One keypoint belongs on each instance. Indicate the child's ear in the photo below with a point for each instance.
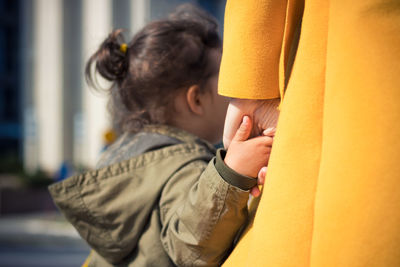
(194, 99)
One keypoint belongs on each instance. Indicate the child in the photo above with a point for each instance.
(160, 196)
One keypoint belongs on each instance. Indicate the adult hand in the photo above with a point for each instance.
(263, 113)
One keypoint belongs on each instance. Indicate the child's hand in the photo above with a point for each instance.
(247, 157)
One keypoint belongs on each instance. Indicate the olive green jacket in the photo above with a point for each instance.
(166, 205)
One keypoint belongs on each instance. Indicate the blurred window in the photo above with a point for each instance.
(10, 121)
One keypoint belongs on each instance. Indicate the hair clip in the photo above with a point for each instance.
(123, 47)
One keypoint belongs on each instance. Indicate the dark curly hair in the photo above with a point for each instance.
(166, 56)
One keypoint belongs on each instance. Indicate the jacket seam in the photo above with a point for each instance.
(96, 220)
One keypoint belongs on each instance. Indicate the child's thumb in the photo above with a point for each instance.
(244, 130)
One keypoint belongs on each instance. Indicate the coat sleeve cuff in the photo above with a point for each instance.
(230, 176)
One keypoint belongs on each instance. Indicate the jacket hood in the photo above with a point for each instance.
(110, 206)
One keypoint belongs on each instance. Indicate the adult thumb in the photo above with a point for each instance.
(244, 130)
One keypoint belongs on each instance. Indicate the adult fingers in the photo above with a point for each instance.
(261, 175)
(269, 132)
(255, 191)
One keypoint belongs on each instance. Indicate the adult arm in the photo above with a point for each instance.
(250, 65)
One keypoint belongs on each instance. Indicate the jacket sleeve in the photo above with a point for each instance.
(252, 48)
(199, 227)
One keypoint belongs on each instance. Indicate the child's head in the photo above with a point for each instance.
(159, 66)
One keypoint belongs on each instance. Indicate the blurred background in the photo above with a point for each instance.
(51, 124)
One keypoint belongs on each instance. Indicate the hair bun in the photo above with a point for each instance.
(111, 59)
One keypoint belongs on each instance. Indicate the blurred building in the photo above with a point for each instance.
(48, 115)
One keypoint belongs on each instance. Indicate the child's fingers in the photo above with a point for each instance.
(244, 130)
(262, 140)
(267, 141)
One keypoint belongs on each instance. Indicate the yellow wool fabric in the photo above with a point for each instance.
(246, 45)
(332, 192)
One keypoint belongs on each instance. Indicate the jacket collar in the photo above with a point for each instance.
(178, 134)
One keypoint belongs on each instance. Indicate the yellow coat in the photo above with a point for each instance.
(332, 192)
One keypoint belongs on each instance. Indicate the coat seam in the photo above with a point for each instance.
(322, 144)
